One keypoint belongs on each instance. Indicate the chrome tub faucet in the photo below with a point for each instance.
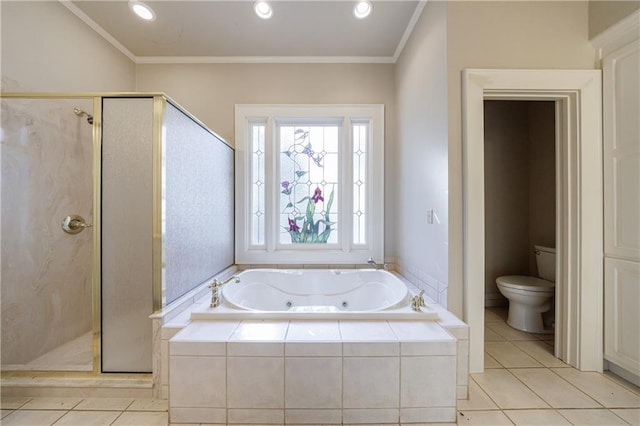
(377, 265)
(216, 298)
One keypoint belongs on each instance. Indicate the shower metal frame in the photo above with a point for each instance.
(158, 253)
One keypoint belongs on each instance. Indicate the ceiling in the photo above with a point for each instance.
(230, 31)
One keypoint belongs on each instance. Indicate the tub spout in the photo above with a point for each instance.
(377, 265)
(216, 297)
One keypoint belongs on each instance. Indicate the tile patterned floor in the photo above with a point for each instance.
(523, 384)
(83, 411)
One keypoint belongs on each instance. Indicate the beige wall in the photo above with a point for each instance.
(46, 48)
(210, 92)
(477, 34)
(542, 178)
(519, 188)
(532, 35)
(421, 90)
(506, 193)
(603, 14)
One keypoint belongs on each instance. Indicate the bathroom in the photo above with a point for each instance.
(520, 201)
(420, 89)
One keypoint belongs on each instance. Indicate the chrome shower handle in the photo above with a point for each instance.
(74, 224)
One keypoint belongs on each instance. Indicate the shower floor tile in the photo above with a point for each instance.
(76, 355)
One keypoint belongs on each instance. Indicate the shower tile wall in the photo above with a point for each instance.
(519, 188)
(46, 158)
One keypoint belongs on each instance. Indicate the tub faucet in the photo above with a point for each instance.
(417, 302)
(377, 265)
(216, 298)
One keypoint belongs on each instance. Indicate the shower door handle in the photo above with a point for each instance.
(74, 224)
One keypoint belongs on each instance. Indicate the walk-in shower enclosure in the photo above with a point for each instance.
(154, 190)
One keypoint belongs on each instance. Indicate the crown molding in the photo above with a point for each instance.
(249, 59)
(407, 33)
(97, 28)
(264, 60)
(618, 35)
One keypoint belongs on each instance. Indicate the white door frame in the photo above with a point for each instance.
(579, 219)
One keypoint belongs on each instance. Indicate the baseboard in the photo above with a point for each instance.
(621, 372)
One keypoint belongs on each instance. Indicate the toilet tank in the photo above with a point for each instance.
(546, 261)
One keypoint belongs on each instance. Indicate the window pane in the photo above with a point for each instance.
(257, 184)
(308, 179)
(360, 137)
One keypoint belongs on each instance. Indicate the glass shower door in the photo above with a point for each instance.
(46, 157)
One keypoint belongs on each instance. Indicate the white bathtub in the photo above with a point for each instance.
(365, 294)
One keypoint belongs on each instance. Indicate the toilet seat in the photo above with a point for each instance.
(523, 282)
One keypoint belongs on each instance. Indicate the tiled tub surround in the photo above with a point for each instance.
(169, 322)
(321, 372)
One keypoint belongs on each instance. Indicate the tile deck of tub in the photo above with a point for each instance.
(320, 372)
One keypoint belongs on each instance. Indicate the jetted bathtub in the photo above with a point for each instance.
(366, 294)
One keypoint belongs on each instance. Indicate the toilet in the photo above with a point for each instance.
(530, 297)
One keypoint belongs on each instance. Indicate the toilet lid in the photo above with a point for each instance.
(523, 282)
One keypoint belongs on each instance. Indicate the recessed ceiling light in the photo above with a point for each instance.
(263, 9)
(142, 10)
(362, 9)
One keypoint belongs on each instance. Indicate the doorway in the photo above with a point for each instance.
(577, 98)
(520, 224)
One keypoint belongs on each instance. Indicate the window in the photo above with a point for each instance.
(310, 183)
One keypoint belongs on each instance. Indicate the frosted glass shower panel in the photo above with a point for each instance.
(127, 217)
(198, 204)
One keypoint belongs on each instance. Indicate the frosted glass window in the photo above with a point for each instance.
(258, 184)
(199, 240)
(360, 132)
(308, 178)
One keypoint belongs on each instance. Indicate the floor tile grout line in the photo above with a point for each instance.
(485, 392)
(20, 405)
(586, 409)
(60, 418)
(612, 381)
(518, 379)
(540, 364)
(532, 391)
(578, 388)
(629, 386)
(492, 357)
(633, 391)
(616, 414)
(130, 404)
(552, 369)
(574, 386)
(120, 415)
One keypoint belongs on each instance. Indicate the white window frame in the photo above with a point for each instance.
(344, 252)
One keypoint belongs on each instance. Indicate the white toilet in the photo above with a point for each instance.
(530, 297)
